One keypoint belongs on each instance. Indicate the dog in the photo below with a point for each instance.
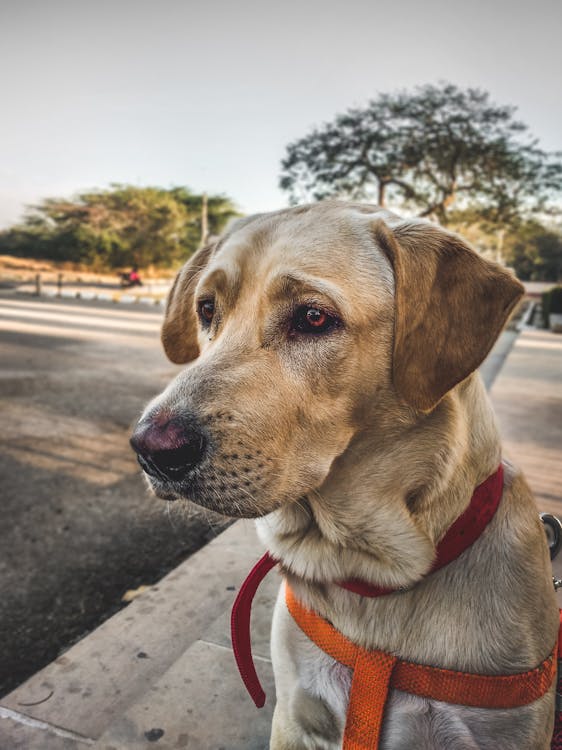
(332, 393)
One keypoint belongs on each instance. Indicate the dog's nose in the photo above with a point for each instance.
(168, 450)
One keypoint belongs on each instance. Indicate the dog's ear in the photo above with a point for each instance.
(179, 330)
(451, 304)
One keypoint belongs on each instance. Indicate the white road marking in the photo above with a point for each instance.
(87, 320)
(6, 713)
(81, 309)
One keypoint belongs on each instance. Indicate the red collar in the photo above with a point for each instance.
(461, 535)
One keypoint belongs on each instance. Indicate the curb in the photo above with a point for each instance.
(526, 317)
(116, 297)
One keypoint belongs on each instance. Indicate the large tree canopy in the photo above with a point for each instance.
(119, 227)
(432, 150)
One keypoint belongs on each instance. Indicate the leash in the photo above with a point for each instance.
(240, 628)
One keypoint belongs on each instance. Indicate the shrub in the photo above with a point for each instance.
(551, 303)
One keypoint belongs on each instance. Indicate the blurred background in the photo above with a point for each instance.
(131, 132)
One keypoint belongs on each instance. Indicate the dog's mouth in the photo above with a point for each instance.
(231, 490)
(223, 469)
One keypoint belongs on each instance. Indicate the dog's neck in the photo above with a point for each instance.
(391, 496)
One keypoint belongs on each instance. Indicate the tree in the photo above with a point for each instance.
(432, 150)
(119, 227)
(219, 210)
(535, 252)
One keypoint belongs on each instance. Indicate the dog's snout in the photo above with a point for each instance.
(168, 451)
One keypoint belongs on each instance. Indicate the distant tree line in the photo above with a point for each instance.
(439, 151)
(118, 227)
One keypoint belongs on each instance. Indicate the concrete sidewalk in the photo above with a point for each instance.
(161, 674)
(527, 398)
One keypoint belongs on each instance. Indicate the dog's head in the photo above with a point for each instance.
(300, 327)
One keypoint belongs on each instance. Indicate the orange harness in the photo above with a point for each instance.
(376, 672)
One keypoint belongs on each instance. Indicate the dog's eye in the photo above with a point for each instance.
(206, 309)
(308, 319)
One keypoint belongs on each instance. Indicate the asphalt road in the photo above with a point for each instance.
(78, 528)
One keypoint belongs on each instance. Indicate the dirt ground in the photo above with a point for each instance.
(78, 528)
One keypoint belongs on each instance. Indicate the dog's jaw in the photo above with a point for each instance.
(365, 527)
(397, 557)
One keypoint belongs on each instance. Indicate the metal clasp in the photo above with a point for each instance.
(553, 531)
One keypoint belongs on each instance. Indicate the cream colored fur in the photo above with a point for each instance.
(357, 449)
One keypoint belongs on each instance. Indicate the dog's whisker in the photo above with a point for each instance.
(169, 515)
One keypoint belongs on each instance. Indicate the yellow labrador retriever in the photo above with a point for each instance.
(332, 393)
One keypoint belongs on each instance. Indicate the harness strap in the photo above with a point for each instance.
(376, 672)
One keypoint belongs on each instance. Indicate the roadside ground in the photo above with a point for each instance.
(63, 281)
(79, 528)
(527, 399)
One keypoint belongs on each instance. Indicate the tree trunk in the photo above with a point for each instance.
(449, 199)
(204, 220)
(381, 196)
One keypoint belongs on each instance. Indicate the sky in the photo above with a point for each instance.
(209, 94)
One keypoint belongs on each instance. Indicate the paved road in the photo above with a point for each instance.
(78, 527)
